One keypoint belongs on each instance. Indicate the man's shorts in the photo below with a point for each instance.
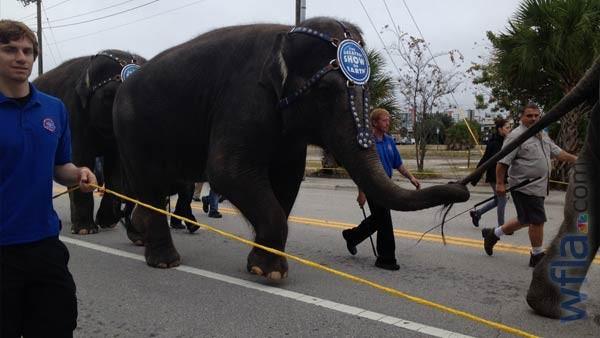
(530, 209)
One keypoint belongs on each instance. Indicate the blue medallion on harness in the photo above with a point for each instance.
(128, 70)
(353, 61)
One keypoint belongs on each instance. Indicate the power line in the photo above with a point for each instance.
(104, 17)
(93, 11)
(52, 34)
(32, 15)
(380, 39)
(129, 23)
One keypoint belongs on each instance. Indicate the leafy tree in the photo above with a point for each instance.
(423, 84)
(546, 49)
(458, 136)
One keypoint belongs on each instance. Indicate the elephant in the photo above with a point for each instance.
(241, 104)
(557, 278)
(87, 85)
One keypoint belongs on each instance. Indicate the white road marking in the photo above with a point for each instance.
(343, 308)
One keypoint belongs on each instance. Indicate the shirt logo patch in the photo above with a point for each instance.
(49, 125)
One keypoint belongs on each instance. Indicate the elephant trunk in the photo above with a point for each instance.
(585, 88)
(366, 170)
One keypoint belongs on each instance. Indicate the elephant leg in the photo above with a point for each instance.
(252, 194)
(554, 289)
(159, 249)
(286, 175)
(82, 204)
(109, 212)
(135, 234)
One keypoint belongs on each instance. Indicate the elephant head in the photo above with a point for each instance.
(323, 98)
(98, 83)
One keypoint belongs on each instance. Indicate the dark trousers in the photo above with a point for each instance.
(37, 290)
(380, 220)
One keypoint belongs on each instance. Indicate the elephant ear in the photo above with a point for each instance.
(274, 71)
(83, 88)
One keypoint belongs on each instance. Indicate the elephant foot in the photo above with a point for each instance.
(162, 257)
(265, 264)
(107, 220)
(543, 296)
(134, 235)
(84, 229)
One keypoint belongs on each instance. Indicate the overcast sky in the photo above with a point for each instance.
(159, 24)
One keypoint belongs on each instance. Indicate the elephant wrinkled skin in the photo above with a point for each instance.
(210, 105)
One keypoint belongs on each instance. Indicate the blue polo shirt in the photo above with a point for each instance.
(33, 139)
(388, 154)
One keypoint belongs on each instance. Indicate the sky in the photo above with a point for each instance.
(148, 27)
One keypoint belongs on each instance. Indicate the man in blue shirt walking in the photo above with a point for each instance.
(380, 219)
(37, 289)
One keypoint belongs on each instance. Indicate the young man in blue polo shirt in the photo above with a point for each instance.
(37, 289)
(380, 219)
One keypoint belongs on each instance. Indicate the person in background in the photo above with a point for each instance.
(493, 146)
(530, 161)
(380, 219)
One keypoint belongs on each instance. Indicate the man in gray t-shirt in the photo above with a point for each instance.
(531, 160)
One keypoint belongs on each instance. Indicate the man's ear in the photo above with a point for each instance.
(83, 88)
(274, 71)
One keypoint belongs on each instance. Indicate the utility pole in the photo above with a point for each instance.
(300, 11)
(39, 32)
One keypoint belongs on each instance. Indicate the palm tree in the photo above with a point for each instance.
(381, 95)
(547, 48)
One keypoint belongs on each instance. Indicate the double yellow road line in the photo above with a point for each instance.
(458, 241)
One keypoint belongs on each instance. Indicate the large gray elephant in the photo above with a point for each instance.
(241, 104)
(87, 85)
(554, 290)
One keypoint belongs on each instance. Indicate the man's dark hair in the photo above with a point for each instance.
(14, 30)
(500, 122)
(531, 105)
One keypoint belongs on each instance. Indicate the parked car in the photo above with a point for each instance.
(407, 140)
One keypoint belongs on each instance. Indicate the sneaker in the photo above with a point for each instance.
(534, 259)
(196, 198)
(214, 214)
(474, 218)
(176, 224)
(489, 240)
(205, 203)
(387, 264)
(351, 248)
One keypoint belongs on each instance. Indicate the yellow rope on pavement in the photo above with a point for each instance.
(418, 300)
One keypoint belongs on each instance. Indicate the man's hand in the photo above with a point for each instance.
(361, 199)
(85, 178)
(415, 182)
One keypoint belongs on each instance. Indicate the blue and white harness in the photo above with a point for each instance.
(353, 62)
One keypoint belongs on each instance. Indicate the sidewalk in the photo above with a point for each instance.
(482, 190)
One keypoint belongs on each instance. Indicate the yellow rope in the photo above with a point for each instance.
(392, 291)
(66, 191)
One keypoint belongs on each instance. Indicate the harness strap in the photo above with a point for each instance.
(314, 33)
(286, 101)
(115, 78)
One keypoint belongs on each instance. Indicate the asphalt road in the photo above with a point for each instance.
(211, 294)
